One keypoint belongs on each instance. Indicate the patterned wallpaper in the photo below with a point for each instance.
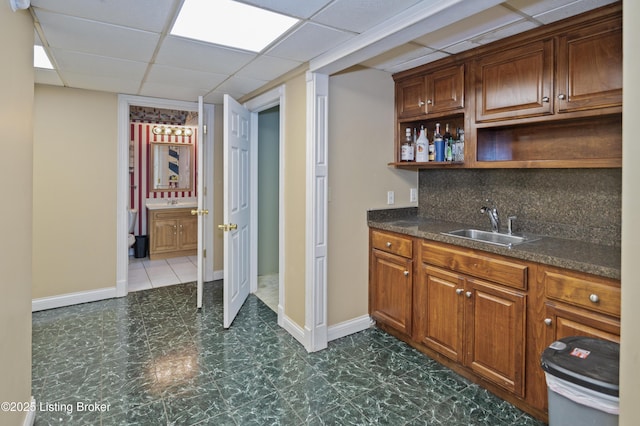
(140, 137)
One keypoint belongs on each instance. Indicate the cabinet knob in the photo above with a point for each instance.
(547, 321)
(545, 99)
(468, 294)
(388, 244)
(459, 291)
(406, 273)
(562, 96)
(594, 298)
(429, 102)
(420, 103)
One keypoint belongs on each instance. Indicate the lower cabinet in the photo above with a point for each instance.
(476, 323)
(391, 281)
(172, 232)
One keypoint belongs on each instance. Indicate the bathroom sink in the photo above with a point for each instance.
(497, 238)
(170, 203)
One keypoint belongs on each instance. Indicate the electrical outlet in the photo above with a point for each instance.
(391, 197)
(413, 195)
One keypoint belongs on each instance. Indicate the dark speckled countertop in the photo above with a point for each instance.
(570, 254)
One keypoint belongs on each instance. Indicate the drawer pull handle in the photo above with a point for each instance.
(547, 321)
(406, 273)
(468, 294)
(594, 298)
(388, 244)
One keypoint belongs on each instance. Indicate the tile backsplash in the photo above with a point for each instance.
(577, 204)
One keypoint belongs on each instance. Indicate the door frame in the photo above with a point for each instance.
(122, 190)
(274, 97)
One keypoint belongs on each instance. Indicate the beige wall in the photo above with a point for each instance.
(361, 123)
(630, 339)
(295, 197)
(74, 190)
(16, 104)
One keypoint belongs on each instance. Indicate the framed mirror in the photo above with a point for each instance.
(170, 167)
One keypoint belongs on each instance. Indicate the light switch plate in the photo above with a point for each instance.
(391, 197)
(413, 195)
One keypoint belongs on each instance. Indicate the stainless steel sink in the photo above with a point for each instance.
(497, 238)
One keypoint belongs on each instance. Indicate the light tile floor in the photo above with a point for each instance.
(153, 359)
(268, 290)
(145, 274)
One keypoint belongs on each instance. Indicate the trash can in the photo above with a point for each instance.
(582, 381)
(140, 249)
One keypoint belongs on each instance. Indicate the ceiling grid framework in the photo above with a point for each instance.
(126, 47)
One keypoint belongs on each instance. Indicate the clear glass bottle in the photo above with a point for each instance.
(406, 150)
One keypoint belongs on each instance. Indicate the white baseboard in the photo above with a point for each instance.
(346, 328)
(292, 328)
(30, 418)
(69, 299)
(218, 275)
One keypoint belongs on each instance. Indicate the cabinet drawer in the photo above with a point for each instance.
(596, 296)
(392, 243)
(170, 214)
(489, 267)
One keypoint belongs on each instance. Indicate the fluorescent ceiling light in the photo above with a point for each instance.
(229, 23)
(40, 58)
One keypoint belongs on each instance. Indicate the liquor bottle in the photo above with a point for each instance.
(448, 142)
(406, 150)
(422, 147)
(438, 146)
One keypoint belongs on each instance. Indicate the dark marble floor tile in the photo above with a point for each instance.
(192, 408)
(271, 409)
(245, 386)
(383, 405)
(312, 397)
(136, 415)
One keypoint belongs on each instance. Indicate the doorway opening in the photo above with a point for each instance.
(133, 169)
(268, 206)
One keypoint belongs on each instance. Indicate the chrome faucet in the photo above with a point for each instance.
(492, 212)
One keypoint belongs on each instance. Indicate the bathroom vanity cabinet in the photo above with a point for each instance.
(173, 232)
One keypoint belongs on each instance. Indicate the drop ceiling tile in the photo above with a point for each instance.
(308, 41)
(461, 47)
(201, 56)
(44, 76)
(536, 7)
(300, 9)
(86, 36)
(570, 10)
(470, 27)
(360, 15)
(216, 98)
(418, 61)
(168, 91)
(148, 15)
(240, 85)
(397, 56)
(101, 83)
(267, 68)
(83, 63)
(203, 81)
(500, 33)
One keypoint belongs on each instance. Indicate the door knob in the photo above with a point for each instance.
(199, 212)
(228, 227)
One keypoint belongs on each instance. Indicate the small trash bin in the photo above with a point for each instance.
(582, 381)
(140, 249)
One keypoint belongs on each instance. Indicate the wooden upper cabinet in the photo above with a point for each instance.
(515, 83)
(411, 97)
(445, 90)
(435, 92)
(590, 67)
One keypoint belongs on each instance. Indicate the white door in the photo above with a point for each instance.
(201, 211)
(236, 207)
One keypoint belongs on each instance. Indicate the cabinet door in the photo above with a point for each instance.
(164, 235)
(439, 311)
(515, 83)
(411, 97)
(564, 321)
(445, 90)
(495, 327)
(391, 290)
(590, 68)
(188, 233)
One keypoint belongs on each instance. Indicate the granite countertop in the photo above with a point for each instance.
(570, 254)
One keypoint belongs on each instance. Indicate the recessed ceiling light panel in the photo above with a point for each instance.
(40, 58)
(229, 23)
